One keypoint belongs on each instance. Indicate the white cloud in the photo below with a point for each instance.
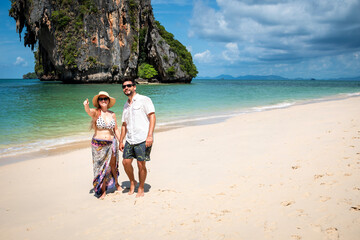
(286, 30)
(231, 53)
(20, 61)
(204, 57)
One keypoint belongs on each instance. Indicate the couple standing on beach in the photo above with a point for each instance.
(138, 123)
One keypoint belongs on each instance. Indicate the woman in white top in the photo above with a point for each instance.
(104, 143)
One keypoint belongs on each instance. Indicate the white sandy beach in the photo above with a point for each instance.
(290, 173)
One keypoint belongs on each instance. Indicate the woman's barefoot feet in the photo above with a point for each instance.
(102, 196)
(118, 187)
(132, 187)
(140, 192)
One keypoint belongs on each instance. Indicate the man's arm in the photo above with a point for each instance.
(150, 138)
(122, 136)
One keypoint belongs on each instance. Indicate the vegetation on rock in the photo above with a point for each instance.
(171, 71)
(133, 12)
(30, 75)
(185, 60)
(39, 69)
(142, 52)
(146, 71)
(68, 20)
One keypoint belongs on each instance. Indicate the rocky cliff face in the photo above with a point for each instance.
(99, 40)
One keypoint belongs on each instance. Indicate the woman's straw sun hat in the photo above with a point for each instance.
(95, 99)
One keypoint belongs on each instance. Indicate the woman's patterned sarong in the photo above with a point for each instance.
(102, 150)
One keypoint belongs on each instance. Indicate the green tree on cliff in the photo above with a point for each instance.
(146, 71)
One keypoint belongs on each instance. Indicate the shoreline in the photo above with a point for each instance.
(289, 173)
(206, 120)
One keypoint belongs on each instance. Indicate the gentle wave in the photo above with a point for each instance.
(228, 115)
(40, 145)
(353, 94)
(275, 106)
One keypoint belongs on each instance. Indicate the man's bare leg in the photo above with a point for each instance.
(142, 177)
(127, 163)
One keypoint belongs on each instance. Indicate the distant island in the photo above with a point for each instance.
(30, 75)
(271, 77)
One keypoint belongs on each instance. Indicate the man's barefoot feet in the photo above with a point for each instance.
(132, 187)
(140, 192)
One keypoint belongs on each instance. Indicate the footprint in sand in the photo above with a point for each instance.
(295, 167)
(356, 208)
(287, 203)
(347, 174)
(166, 190)
(296, 237)
(329, 183)
(332, 233)
(318, 176)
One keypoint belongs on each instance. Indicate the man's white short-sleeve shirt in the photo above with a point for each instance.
(135, 115)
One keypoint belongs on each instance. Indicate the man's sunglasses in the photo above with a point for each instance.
(103, 99)
(127, 85)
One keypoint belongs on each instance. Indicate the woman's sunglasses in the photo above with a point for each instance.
(127, 85)
(103, 99)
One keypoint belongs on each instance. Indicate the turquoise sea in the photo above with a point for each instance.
(40, 115)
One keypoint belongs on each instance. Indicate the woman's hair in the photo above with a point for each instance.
(93, 120)
(97, 115)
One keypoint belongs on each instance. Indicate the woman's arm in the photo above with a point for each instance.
(91, 112)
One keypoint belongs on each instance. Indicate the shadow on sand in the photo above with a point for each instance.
(126, 188)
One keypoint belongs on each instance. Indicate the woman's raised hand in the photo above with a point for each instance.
(86, 102)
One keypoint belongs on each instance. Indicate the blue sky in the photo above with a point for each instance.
(291, 38)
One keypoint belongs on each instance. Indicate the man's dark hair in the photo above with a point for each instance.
(129, 80)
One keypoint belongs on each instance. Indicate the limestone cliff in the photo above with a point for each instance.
(99, 40)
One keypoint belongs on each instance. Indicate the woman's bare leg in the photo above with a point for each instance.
(114, 172)
(103, 189)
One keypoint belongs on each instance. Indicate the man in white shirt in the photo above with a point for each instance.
(138, 123)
